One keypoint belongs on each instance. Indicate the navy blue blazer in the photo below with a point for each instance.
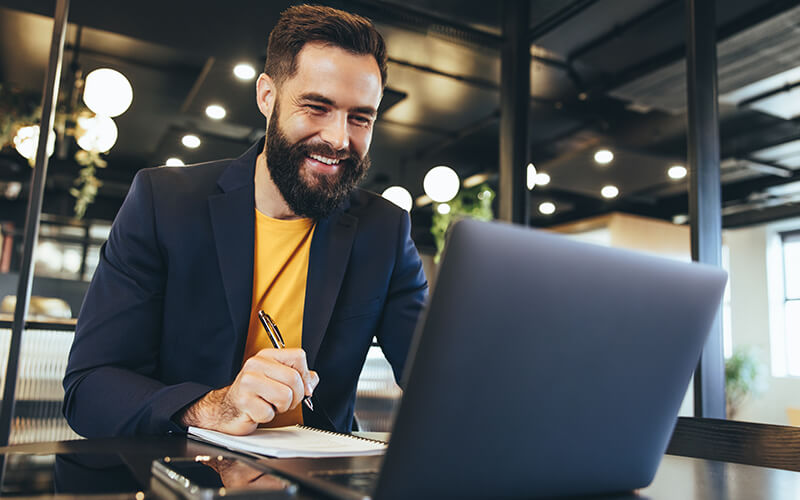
(165, 318)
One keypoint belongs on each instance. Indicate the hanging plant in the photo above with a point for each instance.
(474, 202)
(86, 183)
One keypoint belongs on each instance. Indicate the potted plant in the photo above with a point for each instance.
(742, 379)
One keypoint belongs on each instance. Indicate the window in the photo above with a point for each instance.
(790, 243)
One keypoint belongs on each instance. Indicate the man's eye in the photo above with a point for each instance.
(316, 109)
(361, 120)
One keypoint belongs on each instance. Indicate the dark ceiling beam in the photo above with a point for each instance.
(456, 136)
(760, 216)
(422, 22)
(584, 206)
(186, 69)
(482, 83)
(674, 54)
(562, 16)
(413, 126)
(619, 30)
(744, 147)
(759, 97)
(769, 168)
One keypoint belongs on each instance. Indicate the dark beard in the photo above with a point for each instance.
(284, 161)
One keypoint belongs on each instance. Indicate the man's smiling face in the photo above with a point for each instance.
(320, 128)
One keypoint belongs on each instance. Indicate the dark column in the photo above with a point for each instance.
(33, 215)
(704, 188)
(515, 76)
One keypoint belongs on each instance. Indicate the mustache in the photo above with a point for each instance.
(324, 149)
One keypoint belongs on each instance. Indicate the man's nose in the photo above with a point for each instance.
(335, 132)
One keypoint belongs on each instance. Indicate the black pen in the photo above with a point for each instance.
(277, 342)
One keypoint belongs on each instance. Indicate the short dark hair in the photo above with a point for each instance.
(301, 24)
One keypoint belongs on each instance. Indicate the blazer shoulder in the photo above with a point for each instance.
(191, 180)
(364, 203)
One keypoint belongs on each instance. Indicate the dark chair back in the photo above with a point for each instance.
(763, 445)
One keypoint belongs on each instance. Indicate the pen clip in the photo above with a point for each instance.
(272, 330)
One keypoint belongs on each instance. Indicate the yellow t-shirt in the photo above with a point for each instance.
(280, 267)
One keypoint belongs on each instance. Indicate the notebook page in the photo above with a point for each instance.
(293, 441)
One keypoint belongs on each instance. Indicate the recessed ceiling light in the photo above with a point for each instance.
(609, 191)
(603, 157)
(215, 112)
(443, 208)
(676, 172)
(174, 162)
(680, 219)
(244, 71)
(547, 208)
(542, 179)
(191, 141)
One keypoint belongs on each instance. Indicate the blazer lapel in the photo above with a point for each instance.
(233, 221)
(330, 251)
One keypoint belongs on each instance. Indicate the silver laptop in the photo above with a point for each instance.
(541, 367)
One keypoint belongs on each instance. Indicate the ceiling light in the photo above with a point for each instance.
(399, 196)
(609, 191)
(27, 141)
(531, 176)
(12, 190)
(441, 184)
(676, 172)
(542, 179)
(215, 112)
(443, 208)
(680, 219)
(423, 200)
(475, 180)
(244, 71)
(97, 133)
(175, 162)
(191, 141)
(547, 208)
(107, 92)
(603, 157)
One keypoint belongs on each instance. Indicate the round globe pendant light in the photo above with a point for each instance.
(98, 133)
(27, 140)
(441, 184)
(399, 196)
(107, 92)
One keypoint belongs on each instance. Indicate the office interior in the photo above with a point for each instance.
(602, 154)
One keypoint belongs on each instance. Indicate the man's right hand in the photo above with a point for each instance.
(271, 382)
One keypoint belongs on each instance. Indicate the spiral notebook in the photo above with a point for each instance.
(293, 442)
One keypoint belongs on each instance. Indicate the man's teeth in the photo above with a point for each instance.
(324, 159)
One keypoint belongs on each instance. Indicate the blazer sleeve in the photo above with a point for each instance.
(408, 291)
(111, 383)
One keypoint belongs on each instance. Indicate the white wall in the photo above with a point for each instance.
(750, 318)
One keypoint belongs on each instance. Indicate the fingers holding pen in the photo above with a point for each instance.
(295, 359)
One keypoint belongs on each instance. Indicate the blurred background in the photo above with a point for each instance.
(607, 131)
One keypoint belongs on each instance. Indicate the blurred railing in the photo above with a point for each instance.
(377, 395)
(43, 360)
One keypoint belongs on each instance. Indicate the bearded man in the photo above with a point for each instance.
(169, 333)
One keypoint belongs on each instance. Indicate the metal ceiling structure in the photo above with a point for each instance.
(603, 73)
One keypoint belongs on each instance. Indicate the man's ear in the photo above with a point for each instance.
(265, 94)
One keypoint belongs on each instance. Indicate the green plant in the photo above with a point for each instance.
(474, 202)
(742, 379)
(20, 108)
(86, 181)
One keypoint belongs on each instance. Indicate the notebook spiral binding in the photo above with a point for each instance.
(323, 431)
